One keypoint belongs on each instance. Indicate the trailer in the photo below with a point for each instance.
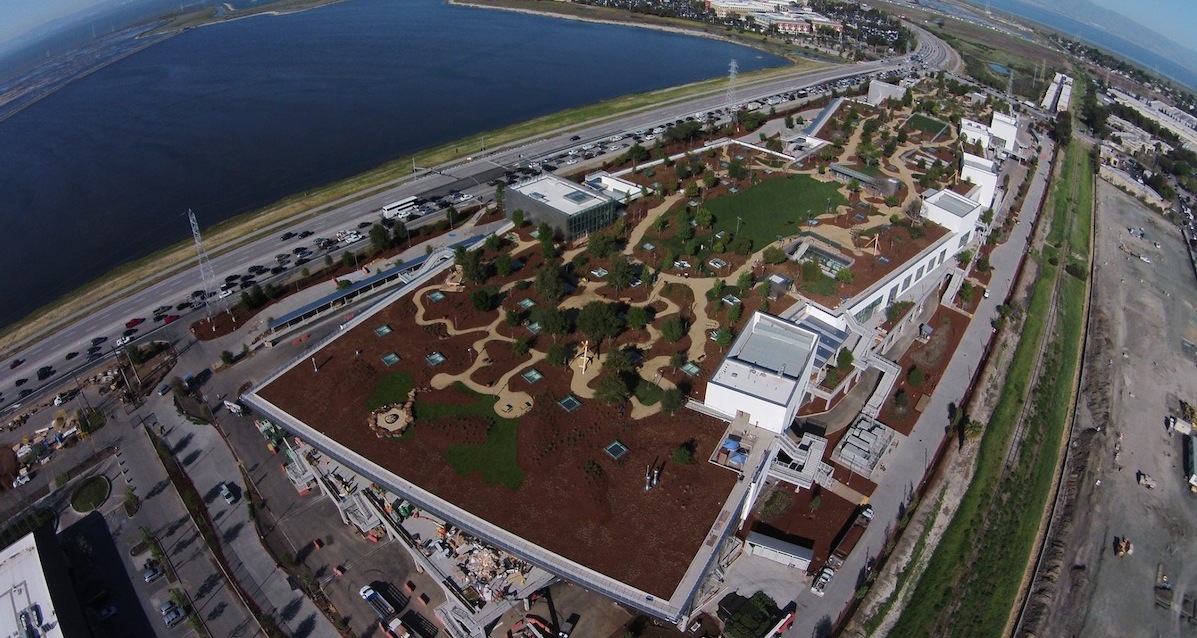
(381, 607)
(850, 538)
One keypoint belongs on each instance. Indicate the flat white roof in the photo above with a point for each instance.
(979, 163)
(23, 588)
(767, 359)
(957, 205)
(566, 196)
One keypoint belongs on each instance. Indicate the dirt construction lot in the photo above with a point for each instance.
(1136, 371)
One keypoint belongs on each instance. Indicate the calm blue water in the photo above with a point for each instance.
(1101, 38)
(228, 118)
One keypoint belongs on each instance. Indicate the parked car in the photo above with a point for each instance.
(107, 612)
(227, 494)
(151, 573)
(173, 617)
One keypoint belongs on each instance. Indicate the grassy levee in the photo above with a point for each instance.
(937, 589)
(228, 235)
(976, 572)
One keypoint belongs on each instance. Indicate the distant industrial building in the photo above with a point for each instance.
(572, 210)
(36, 595)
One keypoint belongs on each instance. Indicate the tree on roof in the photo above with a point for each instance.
(611, 389)
(599, 320)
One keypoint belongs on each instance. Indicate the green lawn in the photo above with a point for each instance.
(496, 459)
(90, 494)
(774, 207)
(930, 126)
(392, 388)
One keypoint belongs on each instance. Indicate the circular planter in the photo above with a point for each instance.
(90, 494)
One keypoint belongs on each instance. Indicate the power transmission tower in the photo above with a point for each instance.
(207, 275)
(732, 70)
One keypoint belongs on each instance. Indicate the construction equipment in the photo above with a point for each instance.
(1125, 548)
(1145, 480)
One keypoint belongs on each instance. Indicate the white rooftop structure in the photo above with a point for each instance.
(612, 186)
(975, 132)
(566, 196)
(982, 172)
(1005, 128)
(881, 91)
(25, 602)
(765, 374)
(957, 213)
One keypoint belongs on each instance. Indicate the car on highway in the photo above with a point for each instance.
(134, 322)
(15, 363)
(225, 293)
(365, 224)
(71, 355)
(45, 372)
(171, 318)
(24, 393)
(129, 332)
(22, 381)
(287, 236)
(161, 309)
(305, 234)
(94, 349)
(183, 306)
(95, 341)
(125, 340)
(198, 294)
(574, 138)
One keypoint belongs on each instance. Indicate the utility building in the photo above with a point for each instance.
(765, 373)
(572, 210)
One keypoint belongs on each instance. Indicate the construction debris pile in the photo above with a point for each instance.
(486, 574)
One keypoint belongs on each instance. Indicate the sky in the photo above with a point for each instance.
(18, 17)
(1175, 19)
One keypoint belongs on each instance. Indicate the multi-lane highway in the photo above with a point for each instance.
(109, 320)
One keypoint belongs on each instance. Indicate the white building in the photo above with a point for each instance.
(957, 213)
(975, 132)
(36, 595)
(1003, 130)
(881, 91)
(983, 174)
(765, 374)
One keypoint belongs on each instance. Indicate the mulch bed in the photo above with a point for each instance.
(931, 357)
(818, 528)
(574, 500)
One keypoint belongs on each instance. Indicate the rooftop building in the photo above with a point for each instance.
(38, 599)
(983, 174)
(765, 373)
(1004, 128)
(881, 91)
(955, 212)
(572, 210)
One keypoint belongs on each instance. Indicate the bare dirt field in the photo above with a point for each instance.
(1136, 371)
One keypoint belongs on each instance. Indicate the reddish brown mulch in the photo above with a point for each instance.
(574, 500)
(931, 357)
(818, 528)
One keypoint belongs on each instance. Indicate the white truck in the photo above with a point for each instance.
(381, 607)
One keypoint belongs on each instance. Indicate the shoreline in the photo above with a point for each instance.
(129, 278)
(622, 23)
